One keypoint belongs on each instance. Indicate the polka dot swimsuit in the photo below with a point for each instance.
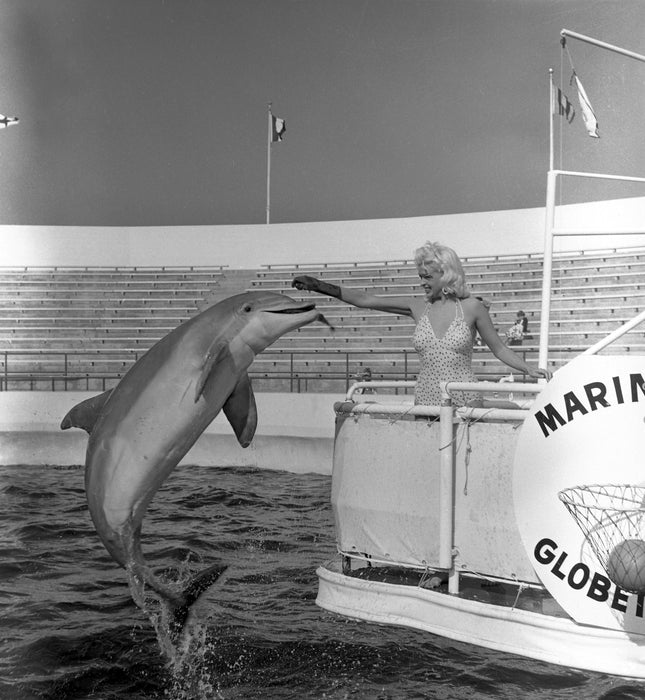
(444, 359)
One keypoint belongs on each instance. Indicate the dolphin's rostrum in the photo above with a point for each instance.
(141, 429)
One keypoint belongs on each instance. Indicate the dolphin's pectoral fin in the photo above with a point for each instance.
(85, 414)
(217, 352)
(241, 411)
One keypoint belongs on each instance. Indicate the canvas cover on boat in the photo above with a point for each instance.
(385, 494)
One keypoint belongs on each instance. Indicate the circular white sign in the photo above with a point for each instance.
(586, 427)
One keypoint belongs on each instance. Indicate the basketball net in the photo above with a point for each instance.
(608, 516)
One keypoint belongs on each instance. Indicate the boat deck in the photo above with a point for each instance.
(505, 594)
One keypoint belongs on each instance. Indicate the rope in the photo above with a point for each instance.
(513, 580)
(561, 127)
(465, 433)
(566, 50)
(431, 577)
(469, 449)
(396, 419)
(520, 590)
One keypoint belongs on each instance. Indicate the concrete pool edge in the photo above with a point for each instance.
(295, 433)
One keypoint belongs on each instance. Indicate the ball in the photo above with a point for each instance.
(626, 565)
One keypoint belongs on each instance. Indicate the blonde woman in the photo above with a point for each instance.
(448, 320)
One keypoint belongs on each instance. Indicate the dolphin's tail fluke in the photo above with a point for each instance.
(180, 606)
(177, 603)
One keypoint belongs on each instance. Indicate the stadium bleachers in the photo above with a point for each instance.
(82, 328)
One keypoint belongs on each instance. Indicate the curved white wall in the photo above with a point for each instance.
(295, 433)
(250, 246)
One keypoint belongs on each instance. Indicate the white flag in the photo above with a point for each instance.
(588, 116)
(278, 127)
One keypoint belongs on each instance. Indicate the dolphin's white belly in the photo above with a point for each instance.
(143, 437)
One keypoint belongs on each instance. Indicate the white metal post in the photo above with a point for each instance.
(602, 45)
(547, 273)
(614, 335)
(447, 490)
(551, 113)
(269, 136)
(549, 225)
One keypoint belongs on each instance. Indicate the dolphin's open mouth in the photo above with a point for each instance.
(302, 310)
(293, 310)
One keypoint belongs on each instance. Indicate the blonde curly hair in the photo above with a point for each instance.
(453, 277)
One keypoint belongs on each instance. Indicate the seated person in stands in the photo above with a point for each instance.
(516, 333)
(364, 376)
(447, 319)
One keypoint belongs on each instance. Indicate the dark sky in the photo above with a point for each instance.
(154, 112)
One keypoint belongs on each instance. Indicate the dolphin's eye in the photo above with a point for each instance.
(247, 308)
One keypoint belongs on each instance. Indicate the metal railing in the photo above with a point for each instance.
(293, 371)
(550, 232)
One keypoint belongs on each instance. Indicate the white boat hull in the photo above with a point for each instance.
(556, 640)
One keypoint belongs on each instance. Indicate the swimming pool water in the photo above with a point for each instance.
(69, 628)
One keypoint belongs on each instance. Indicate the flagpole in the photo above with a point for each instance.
(269, 165)
(602, 45)
(551, 111)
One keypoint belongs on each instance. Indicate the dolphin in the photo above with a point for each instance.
(141, 429)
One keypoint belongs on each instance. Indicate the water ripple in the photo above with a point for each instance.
(72, 632)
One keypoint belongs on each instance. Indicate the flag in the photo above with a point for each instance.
(588, 116)
(278, 127)
(564, 105)
(7, 121)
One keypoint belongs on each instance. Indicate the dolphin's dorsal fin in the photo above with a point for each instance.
(85, 414)
(241, 411)
(217, 352)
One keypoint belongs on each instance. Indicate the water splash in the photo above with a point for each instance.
(188, 655)
(190, 668)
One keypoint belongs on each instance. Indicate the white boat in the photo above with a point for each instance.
(459, 521)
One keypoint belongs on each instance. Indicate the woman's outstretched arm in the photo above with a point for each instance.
(404, 306)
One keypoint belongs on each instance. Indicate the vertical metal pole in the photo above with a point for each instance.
(346, 371)
(447, 489)
(269, 134)
(543, 355)
(551, 113)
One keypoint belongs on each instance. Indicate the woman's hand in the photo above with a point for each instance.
(311, 284)
(540, 373)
